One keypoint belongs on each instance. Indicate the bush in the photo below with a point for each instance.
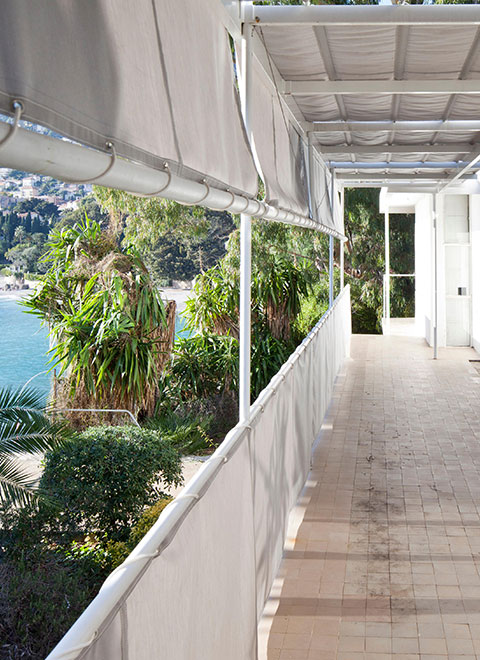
(45, 584)
(118, 551)
(103, 480)
(42, 594)
(187, 432)
(202, 366)
(312, 308)
(268, 355)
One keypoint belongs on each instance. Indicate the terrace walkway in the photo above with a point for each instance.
(383, 554)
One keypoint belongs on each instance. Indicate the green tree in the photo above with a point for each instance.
(176, 241)
(365, 259)
(88, 206)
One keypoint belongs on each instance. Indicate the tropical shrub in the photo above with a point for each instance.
(312, 308)
(185, 430)
(103, 480)
(204, 365)
(267, 356)
(112, 334)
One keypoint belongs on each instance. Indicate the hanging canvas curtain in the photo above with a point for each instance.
(155, 77)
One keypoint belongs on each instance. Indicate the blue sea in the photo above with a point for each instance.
(24, 345)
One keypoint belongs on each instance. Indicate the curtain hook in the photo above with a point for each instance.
(157, 193)
(111, 147)
(18, 111)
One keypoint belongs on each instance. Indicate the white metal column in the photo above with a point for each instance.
(342, 243)
(245, 245)
(435, 276)
(330, 243)
(330, 272)
(387, 268)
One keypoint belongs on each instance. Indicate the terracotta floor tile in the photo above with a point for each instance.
(386, 562)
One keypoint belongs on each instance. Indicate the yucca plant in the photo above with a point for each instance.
(111, 332)
(24, 429)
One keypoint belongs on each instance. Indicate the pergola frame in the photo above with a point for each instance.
(402, 18)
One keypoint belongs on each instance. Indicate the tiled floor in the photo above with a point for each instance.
(385, 561)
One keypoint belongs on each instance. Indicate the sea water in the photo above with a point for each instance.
(23, 347)
(24, 344)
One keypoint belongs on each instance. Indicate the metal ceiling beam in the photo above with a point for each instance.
(416, 165)
(340, 87)
(392, 177)
(356, 16)
(473, 158)
(453, 148)
(466, 68)
(408, 126)
(324, 48)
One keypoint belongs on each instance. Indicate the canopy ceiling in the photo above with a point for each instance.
(379, 88)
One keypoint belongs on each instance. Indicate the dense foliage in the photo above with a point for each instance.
(111, 330)
(365, 260)
(103, 480)
(103, 493)
(176, 242)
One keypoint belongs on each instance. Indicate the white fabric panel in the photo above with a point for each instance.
(466, 106)
(437, 53)
(289, 47)
(279, 148)
(320, 194)
(203, 595)
(137, 73)
(375, 107)
(362, 52)
(415, 106)
(294, 414)
(318, 108)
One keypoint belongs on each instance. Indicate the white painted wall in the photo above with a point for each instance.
(455, 269)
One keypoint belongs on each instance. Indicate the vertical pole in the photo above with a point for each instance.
(245, 244)
(387, 268)
(342, 243)
(330, 244)
(330, 273)
(435, 276)
(311, 189)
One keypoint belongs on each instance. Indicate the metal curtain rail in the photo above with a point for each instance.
(62, 159)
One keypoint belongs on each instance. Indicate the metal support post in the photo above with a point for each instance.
(245, 244)
(435, 276)
(330, 273)
(311, 188)
(387, 268)
(342, 243)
